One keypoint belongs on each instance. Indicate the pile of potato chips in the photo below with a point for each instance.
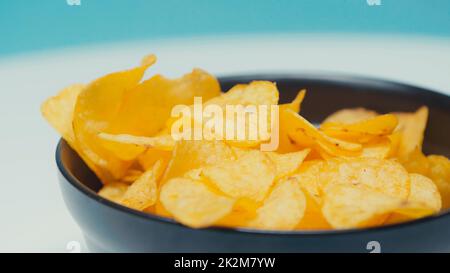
(358, 169)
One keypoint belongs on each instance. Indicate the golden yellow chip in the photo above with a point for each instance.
(381, 148)
(349, 116)
(131, 175)
(283, 209)
(128, 147)
(113, 191)
(233, 104)
(424, 193)
(194, 154)
(440, 174)
(193, 204)
(244, 211)
(369, 130)
(385, 176)
(424, 199)
(143, 192)
(355, 206)
(254, 93)
(295, 105)
(412, 128)
(287, 163)
(150, 156)
(59, 111)
(96, 108)
(147, 107)
(249, 176)
(416, 162)
(379, 126)
(304, 134)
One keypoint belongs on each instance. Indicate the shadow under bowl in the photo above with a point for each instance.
(109, 227)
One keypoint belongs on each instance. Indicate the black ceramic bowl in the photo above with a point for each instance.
(109, 227)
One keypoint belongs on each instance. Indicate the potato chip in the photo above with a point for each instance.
(308, 176)
(295, 105)
(351, 115)
(131, 175)
(356, 206)
(136, 145)
(287, 163)
(150, 156)
(416, 162)
(249, 176)
(244, 211)
(192, 154)
(424, 193)
(113, 191)
(97, 106)
(439, 172)
(254, 93)
(424, 199)
(412, 128)
(193, 204)
(147, 107)
(313, 218)
(362, 131)
(380, 148)
(59, 111)
(282, 209)
(143, 192)
(385, 176)
(286, 143)
(304, 134)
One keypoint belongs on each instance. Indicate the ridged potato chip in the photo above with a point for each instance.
(283, 209)
(287, 163)
(307, 178)
(362, 131)
(423, 200)
(113, 191)
(286, 144)
(147, 107)
(59, 111)
(255, 94)
(439, 172)
(304, 134)
(356, 206)
(192, 154)
(384, 176)
(96, 108)
(249, 176)
(351, 115)
(412, 127)
(150, 156)
(143, 192)
(381, 148)
(193, 204)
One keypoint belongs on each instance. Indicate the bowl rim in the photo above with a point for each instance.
(329, 77)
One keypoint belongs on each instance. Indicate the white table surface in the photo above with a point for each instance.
(33, 215)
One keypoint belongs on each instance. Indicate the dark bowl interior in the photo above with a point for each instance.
(111, 227)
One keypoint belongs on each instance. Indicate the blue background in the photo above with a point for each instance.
(29, 25)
